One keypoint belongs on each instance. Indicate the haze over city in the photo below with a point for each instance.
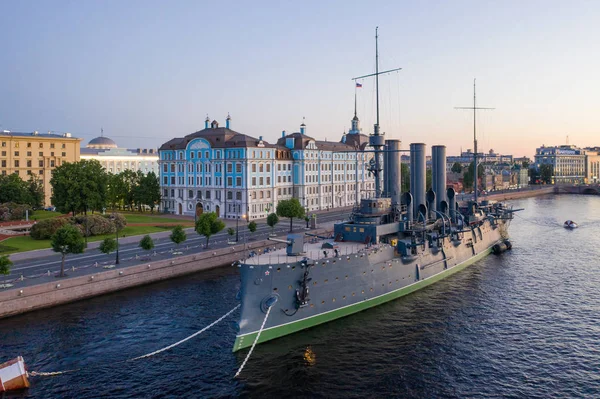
(149, 71)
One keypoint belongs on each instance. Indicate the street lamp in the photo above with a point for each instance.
(113, 217)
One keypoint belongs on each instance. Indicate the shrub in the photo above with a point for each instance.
(96, 225)
(44, 229)
(12, 211)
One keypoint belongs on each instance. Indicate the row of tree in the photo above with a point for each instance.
(84, 186)
(15, 190)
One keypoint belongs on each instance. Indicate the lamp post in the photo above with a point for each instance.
(113, 217)
(237, 227)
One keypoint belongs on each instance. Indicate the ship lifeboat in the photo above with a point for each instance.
(13, 375)
(569, 224)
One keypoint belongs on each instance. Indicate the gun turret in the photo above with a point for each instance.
(294, 242)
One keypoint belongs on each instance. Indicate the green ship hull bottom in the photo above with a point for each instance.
(247, 340)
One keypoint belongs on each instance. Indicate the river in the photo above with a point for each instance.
(525, 324)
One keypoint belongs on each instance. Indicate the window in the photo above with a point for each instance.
(229, 181)
(238, 196)
(238, 181)
(4, 144)
(28, 172)
(51, 145)
(64, 154)
(52, 154)
(199, 194)
(260, 168)
(261, 181)
(4, 163)
(3, 153)
(192, 155)
(268, 181)
(172, 168)
(208, 194)
(172, 180)
(40, 172)
(165, 180)
(254, 181)
(206, 155)
(238, 168)
(190, 194)
(16, 163)
(64, 146)
(254, 167)
(28, 145)
(165, 168)
(229, 168)
(16, 153)
(29, 164)
(268, 167)
(229, 195)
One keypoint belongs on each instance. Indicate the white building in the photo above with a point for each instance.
(116, 160)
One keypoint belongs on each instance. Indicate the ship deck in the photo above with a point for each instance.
(312, 250)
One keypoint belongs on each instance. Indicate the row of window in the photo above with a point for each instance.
(29, 164)
(41, 154)
(29, 145)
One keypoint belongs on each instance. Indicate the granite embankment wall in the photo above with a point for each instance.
(20, 300)
(509, 195)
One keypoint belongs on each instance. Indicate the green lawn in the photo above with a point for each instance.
(26, 243)
(41, 215)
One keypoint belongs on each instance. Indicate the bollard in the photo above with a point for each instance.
(48, 272)
(22, 278)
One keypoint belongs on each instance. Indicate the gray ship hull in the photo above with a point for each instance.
(358, 278)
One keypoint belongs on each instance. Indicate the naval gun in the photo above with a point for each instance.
(294, 242)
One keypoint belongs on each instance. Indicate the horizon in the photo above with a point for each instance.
(80, 67)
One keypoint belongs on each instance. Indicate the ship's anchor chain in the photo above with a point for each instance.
(302, 298)
(270, 306)
(54, 373)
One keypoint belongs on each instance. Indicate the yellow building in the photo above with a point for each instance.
(36, 154)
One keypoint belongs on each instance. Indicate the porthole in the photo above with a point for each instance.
(314, 283)
(279, 269)
(372, 270)
(346, 277)
(289, 287)
(312, 305)
(344, 297)
(322, 302)
(274, 289)
(333, 300)
(364, 272)
(363, 291)
(326, 280)
(371, 289)
(353, 294)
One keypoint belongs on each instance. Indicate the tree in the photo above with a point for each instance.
(150, 193)
(457, 167)
(35, 188)
(252, 226)
(115, 191)
(468, 175)
(231, 231)
(272, 220)
(5, 265)
(405, 177)
(546, 173)
(290, 209)
(146, 243)
(208, 224)
(79, 186)
(67, 240)
(108, 245)
(178, 235)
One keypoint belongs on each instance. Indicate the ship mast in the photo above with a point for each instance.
(474, 108)
(376, 140)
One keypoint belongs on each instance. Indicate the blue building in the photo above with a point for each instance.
(238, 176)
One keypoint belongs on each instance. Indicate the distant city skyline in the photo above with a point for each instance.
(146, 72)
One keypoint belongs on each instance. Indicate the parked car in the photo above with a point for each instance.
(50, 208)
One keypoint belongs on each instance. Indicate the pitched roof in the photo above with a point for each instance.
(220, 137)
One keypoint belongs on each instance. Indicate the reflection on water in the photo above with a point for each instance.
(524, 324)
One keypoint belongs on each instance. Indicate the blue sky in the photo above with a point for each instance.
(147, 71)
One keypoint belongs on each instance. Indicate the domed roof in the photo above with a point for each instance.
(101, 143)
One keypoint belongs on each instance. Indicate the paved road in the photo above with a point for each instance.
(36, 270)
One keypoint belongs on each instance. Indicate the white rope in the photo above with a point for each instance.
(50, 373)
(185, 339)
(255, 340)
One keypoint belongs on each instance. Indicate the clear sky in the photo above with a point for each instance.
(148, 71)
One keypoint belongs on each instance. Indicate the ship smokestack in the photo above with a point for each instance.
(407, 200)
(431, 205)
(417, 178)
(438, 174)
(392, 173)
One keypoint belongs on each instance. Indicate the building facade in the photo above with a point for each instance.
(116, 160)
(238, 176)
(568, 163)
(36, 155)
(592, 165)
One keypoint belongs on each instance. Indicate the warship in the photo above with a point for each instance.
(393, 244)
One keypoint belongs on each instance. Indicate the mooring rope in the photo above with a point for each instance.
(255, 340)
(54, 373)
(185, 339)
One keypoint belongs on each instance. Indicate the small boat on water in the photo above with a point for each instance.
(13, 375)
(569, 224)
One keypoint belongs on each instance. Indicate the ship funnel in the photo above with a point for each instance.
(392, 172)
(407, 201)
(451, 203)
(431, 206)
(438, 174)
(417, 176)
